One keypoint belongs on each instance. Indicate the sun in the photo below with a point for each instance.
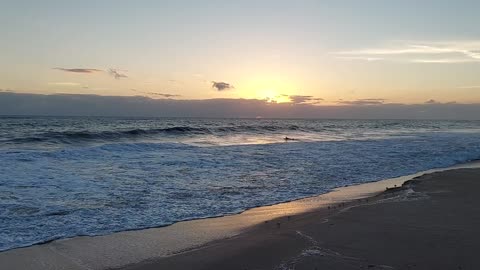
(273, 96)
(272, 88)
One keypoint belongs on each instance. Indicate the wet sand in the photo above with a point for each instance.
(431, 222)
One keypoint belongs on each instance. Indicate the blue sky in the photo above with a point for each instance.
(396, 51)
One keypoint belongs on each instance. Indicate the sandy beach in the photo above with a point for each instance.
(429, 223)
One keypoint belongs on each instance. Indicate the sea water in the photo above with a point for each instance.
(65, 177)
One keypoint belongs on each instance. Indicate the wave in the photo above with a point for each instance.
(85, 135)
(97, 190)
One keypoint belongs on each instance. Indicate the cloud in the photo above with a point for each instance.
(116, 74)
(294, 99)
(222, 86)
(364, 58)
(444, 61)
(79, 70)
(434, 102)
(165, 95)
(362, 102)
(299, 99)
(403, 49)
(469, 87)
(64, 83)
(419, 52)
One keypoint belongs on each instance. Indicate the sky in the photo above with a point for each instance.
(316, 53)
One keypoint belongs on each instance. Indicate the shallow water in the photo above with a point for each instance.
(62, 177)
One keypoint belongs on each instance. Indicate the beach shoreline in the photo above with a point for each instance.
(139, 248)
(430, 222)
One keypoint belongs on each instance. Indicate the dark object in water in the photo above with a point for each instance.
(289, 139)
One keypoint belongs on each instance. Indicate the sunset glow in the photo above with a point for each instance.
(312, 50)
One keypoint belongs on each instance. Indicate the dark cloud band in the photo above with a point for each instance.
(92, 105)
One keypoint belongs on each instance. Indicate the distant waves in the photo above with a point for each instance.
(71, 137)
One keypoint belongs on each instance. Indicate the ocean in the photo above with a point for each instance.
(69, 176)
